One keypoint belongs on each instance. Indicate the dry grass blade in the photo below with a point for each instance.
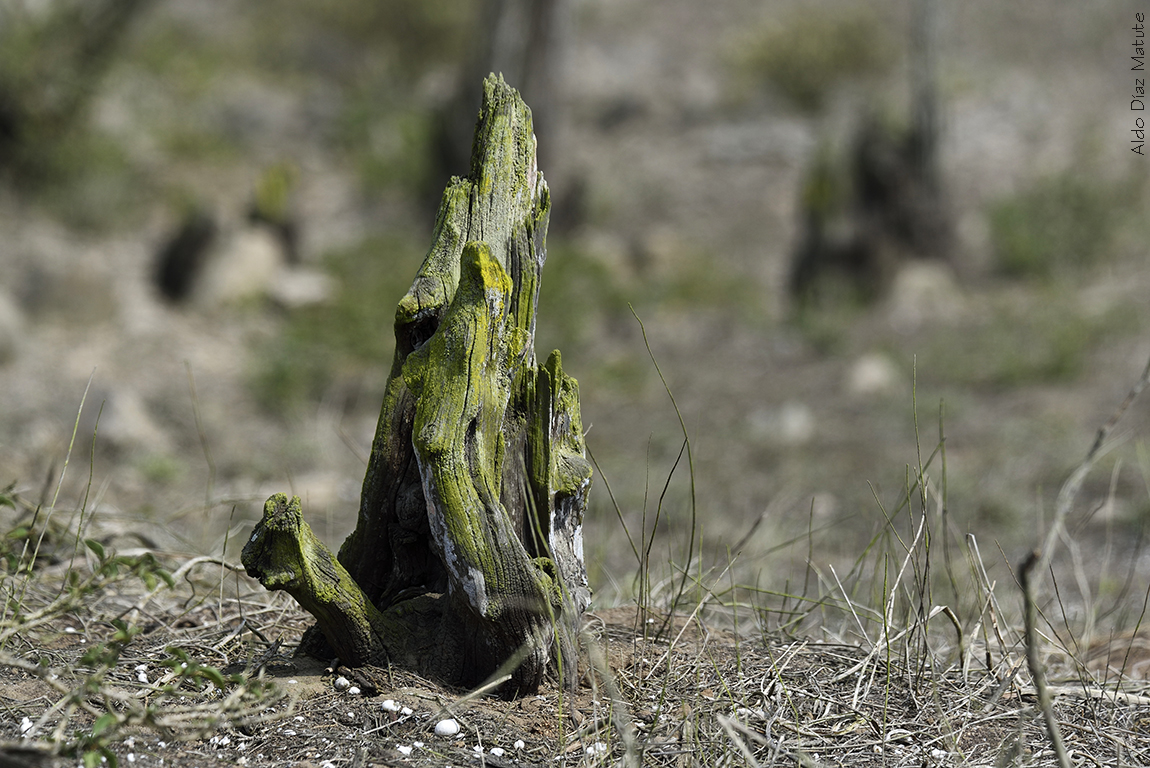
(1039, 561)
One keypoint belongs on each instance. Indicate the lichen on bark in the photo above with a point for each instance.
(470, 521)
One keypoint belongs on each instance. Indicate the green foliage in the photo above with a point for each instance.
(197, 676)
(807, 53)
(92, 683)
(33, 538)
(371, 53)
(86, 180)
(576, 293)
(160, 469)
(1061, 223)
(1020, 343)
(51, 64)
(580, 294)
(320, 346)
(390, 143)
(407, 36)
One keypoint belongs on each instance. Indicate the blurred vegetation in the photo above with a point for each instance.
(811, 50)
(1060, 224)
(323, 346)
(53, 58)
(366, 75)
(582, 296)
(391, 63)
(1019, 342)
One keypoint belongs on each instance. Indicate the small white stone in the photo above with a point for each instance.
(448, 727)
(342, 683)
(597, 748)
(872, 374)
(939, 754)
(390, 705)
(353, 691)
(519, 744)
(299, 718)
(497, 751)
(406, 711)
(403, 749)
(131, 757)
(417, 744)
(25, 725)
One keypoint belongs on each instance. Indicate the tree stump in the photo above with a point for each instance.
(467, 557)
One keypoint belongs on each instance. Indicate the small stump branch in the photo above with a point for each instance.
(467, 557)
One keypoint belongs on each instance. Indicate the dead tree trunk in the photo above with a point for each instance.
(468, 556)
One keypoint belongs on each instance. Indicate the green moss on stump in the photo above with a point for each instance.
(468, 547)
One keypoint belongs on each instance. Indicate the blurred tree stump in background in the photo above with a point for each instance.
(525, 40)
(888, 204)
(467, 558)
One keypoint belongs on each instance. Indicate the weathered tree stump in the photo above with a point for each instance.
(468, 554)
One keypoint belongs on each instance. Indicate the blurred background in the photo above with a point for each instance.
(829, 216)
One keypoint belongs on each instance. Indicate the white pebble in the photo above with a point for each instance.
(406, 711)
(25, 725)
(519, 744)
(403, 749)
(342, 683)
(354, 690)
(597, 748)
(497, 751)
(417, 744)
(446, 727)
(390, 705)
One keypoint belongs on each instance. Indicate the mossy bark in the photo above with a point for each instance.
(470, 520)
